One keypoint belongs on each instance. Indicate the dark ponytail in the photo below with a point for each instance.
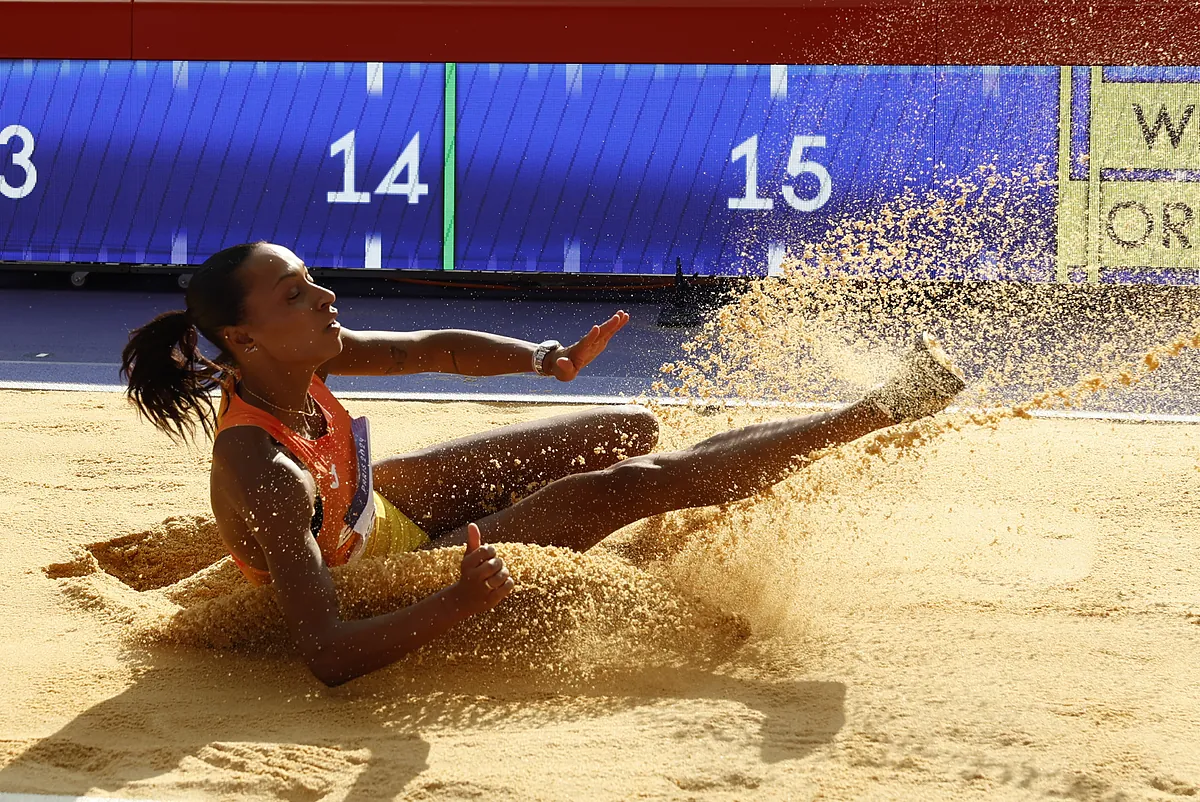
(170, 380)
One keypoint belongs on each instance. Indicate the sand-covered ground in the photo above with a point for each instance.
(1003, 612)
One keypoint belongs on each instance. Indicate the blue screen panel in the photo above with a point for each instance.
(625, 168)
(168, 162)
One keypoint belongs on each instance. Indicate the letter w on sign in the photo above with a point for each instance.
(1163, 120)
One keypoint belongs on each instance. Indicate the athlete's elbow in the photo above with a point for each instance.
(330, 677)
(323, 653)
(336, 667)
(330, 668)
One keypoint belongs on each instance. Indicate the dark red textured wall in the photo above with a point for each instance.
(620, 31)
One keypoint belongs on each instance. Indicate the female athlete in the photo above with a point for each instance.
(295, 492)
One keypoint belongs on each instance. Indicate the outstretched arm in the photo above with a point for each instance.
(468, 353)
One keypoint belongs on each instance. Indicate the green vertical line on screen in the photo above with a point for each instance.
(1093, 251)
(448, 168)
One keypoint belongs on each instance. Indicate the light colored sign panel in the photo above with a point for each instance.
(1147, 125)
(1149, 224)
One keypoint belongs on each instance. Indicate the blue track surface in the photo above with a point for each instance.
(71, 339)
(74, 339)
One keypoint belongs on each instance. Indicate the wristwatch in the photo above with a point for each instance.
(539, 356)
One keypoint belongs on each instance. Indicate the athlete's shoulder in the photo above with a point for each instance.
(241, 444)
(246, 457)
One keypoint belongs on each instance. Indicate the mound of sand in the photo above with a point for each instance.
(569, 613)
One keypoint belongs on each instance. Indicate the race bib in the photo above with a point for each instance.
(360, 516)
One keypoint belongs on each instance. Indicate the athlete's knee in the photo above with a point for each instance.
(640, 485)
(673, 480)
(636, 428)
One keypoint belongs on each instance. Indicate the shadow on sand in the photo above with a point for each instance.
(210, 723)
(200, 722)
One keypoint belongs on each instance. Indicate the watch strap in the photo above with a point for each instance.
(540, 353)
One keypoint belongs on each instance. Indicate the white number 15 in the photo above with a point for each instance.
(797, 165)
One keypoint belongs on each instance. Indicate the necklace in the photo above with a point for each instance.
(309, 404)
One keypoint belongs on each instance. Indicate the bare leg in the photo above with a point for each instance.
(580, 510)
(444, 486)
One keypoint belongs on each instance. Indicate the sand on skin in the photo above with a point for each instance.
(1008, 612)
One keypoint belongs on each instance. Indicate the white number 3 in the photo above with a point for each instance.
(20, 158)
(798, 165)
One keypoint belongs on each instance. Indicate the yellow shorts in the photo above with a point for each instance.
(394, 532)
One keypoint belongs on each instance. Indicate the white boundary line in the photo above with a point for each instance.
(565, 399)
(8, 797)
(1128, 417)
(43, 362)
(71, 386)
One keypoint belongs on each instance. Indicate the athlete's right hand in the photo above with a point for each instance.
(483, 580)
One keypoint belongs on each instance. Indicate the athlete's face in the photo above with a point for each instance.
(288, 318)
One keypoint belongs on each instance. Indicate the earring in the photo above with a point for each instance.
(251, 348)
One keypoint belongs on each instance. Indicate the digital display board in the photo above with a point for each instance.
(627, 167)
(603, 168)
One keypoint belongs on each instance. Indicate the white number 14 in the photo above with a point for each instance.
(407, 164)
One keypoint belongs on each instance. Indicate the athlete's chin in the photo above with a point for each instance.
(332, 348)
(324, 347)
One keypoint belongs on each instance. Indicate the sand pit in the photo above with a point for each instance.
(1009, 611)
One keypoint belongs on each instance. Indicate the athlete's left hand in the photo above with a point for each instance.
(574, 358)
